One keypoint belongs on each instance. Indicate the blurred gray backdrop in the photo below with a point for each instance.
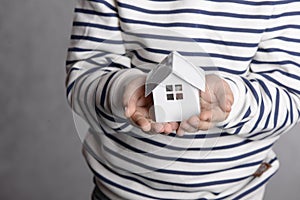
(40, 152)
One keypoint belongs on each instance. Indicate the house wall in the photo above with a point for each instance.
(176, 110)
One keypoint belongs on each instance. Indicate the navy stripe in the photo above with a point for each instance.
(292, 26)
(191, 25)
(138, 56)
(105, 88)
(280, 84)
(265, 88)
(222, 69)
(191, 11)
(202, 136)
(70, 62)
(70, 87)
(202, 173)
(263, 133)
(261, 114)
(291, 107)
(105, 3)
(143, 182)
(99, 26)
(252, 3)
(193, 40)
(117, 185)
(287, 39)
(284, 62)
(72, 69)
(77, 49)
(94, 39)
(84, 107)
(294, 76)
(239, 126)
(267, 121)
(179, 159)
(220, 182)
(170, 183)
(110, 118)
(287, 14)
(277, 101)
(196, 54)
(252, 89)
(272, 50)
(279, 130)
(93, 12)
(163, 0)
(200, 54)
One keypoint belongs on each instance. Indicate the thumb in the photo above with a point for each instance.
(130, 107)
(225, 97)
(133, 92)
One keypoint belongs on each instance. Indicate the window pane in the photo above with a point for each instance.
(169, 88)
(170, 97)
(179, 96)
(178, 87)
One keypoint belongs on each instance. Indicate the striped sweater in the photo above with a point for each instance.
(253, 44)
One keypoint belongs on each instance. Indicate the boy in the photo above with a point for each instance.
(251, 97)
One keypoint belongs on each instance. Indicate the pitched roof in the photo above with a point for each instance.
(175, 64)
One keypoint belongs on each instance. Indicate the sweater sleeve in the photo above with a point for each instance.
(97, 66)
(267, 100)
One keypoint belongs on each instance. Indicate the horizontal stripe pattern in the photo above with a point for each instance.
(254, 45)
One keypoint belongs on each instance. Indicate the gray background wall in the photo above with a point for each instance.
(40, 152)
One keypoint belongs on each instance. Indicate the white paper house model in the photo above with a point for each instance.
(175, 85)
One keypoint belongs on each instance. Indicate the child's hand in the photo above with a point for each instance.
(137, 108)
(216, 104)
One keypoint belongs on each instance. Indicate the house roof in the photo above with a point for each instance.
(175, 64)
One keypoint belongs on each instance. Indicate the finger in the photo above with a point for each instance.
(186, 127)
(214, 115)
(180, 131)
(145, 101)
(131, 104)
(205, 115)
(133, 92)
(167, 128)
(141, 121)
(225, 102)
(204, 103)
(157, 127)
(204, 125)
(207, 96)
(194, 121)
(225, 97)
(174, 125)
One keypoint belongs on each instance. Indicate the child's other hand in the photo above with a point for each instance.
(137, 108)
(216, 103)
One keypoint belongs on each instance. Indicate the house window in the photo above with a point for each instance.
(174, 92)
(179, 96)
(178, 87)
(169, 88)
(170, 96)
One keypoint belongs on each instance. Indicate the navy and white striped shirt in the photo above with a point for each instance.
(253, 44)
